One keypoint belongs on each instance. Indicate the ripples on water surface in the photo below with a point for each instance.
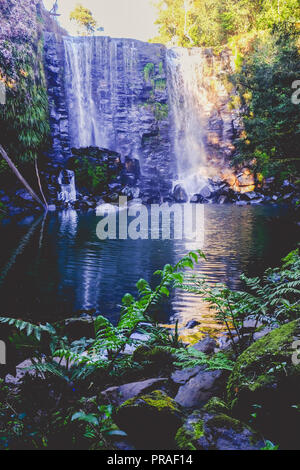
(56, 267)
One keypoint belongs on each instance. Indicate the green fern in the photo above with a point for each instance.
(186, 358)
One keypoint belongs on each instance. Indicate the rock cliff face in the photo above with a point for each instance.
(58, 113)
(110, 93)
(167, 109)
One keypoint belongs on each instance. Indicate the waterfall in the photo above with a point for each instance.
(84, 129)
(177, 122)
(66, 180)
(103, 79)
(187, 96)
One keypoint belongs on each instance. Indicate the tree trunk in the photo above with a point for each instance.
(40, 184)
(19, 176)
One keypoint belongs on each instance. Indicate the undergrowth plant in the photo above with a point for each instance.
(51, 352)
(269, 300)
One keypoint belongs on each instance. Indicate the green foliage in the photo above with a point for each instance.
(94, 177)
(161, 111)
(270, 446)
(149, 71)
(28, 328)
(186, 358)
(56, 355)
(272, 299)
(271, 120)
(264, 39)
(278, 293)
(24, 120)
(99, 427)
(84, 19)
(189, 23)
(160, 84)
(95, 168)
(2, 210)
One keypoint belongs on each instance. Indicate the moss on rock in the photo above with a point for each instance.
(205, 431)
(265, 362)
(216, 405)
(161, 401)
(266, 383)
(184, 440)
(192, 430)
(151, 421)
(225, 421)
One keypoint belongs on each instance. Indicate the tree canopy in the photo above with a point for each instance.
(264, 38)
(190, 23)
(84, 19)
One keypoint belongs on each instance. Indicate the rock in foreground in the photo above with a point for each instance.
(151, 421)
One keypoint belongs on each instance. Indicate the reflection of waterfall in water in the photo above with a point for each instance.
(187, 100)
(228, 232)
(68, 221)
(66, 180)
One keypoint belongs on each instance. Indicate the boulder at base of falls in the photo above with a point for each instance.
(266, 381)
(180, 194)
(195, 199)
(246, 178)
(150, 421)
(205, 192)
(213, 429)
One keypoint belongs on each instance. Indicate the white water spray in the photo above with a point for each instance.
(187, 97)
(66, 180)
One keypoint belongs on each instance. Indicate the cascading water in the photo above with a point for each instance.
(66, 180)
(106, 99)
(103, 80)
(83, 125)
(185, 68)
(191, 109)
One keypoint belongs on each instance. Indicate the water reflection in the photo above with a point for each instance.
(73, 270)
(228, 239)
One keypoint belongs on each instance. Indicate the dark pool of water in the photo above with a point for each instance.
(53, 268)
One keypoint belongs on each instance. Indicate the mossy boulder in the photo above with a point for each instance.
(192, 430)
(265, 386)
(206, 431)
(151, 421)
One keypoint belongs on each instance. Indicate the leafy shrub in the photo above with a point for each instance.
(273, 299)
(94, 177)
(149, 71)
